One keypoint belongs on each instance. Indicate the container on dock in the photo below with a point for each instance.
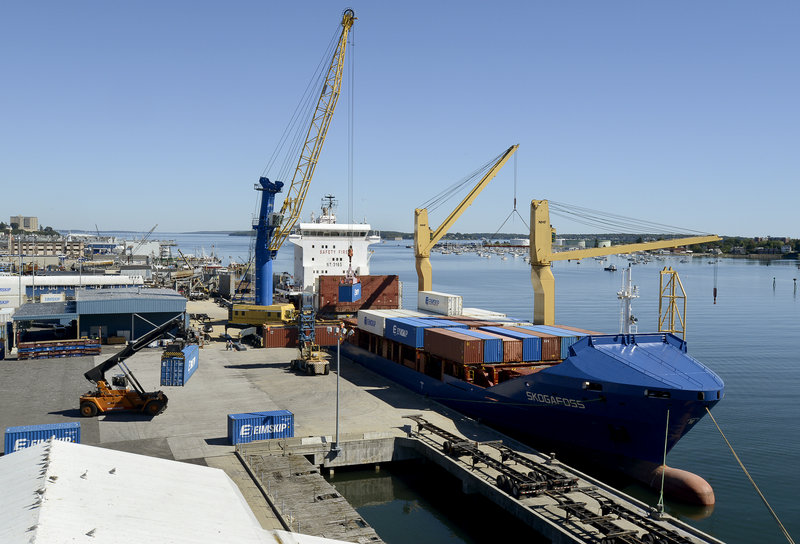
(282, 336)
(52, 297)
(440, 303)
(551, 344)
(18, 438)
(492, 344)
(452, 345)
(411, 330)
(377, 293)
(178, 365)
(349, 292)
(252, 426)
(531, 344)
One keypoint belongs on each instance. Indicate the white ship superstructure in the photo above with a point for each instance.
(321, 247)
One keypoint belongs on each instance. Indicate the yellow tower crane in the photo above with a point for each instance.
(541, 255)
(425, 238)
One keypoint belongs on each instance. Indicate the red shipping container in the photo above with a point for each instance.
(377, 293)
(280, 337)
(551, 345)
(512, 348)
(454, 346)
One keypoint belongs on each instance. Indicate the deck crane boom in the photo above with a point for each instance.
(273, 228)
(541, 255)
(425, 239)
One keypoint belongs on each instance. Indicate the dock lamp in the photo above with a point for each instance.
(341, 333)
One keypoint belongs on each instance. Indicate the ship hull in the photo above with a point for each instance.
(621, 427)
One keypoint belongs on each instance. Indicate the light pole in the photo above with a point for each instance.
(340, 333)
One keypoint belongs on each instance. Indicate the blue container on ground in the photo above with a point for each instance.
(531, 345)
(492, 346)
(568, 337)
(18, 438)
(247, 427)
(177, 370)
(2, 350)
(411, 330)
(349, 293)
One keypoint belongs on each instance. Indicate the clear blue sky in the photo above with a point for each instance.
(128, 114)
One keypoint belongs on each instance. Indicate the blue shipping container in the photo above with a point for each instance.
(18, 438)
(411, 330)
(252, 426)
(350, 293)
(531, 345)
(492, 346)
(177, 370)
(568, 337)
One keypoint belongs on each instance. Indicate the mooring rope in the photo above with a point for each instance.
(760, 494)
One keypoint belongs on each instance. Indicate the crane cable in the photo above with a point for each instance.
(760, 494)
(514, 210)
(350, 147)
(439, 199)
(596, 218)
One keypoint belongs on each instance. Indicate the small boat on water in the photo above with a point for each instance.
(611, 268)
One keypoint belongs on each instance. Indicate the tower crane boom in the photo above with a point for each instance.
(273, 228)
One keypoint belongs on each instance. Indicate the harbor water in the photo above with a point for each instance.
(748, 337)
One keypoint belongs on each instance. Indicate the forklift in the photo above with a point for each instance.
(105, 398)
(311, 360)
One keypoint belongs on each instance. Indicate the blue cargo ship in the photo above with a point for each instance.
(607, 400)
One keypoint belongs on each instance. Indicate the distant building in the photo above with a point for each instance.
(30, 224)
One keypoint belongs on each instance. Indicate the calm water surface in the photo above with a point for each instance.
(749, 337)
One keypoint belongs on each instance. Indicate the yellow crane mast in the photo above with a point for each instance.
(425, 238)
(541, 255)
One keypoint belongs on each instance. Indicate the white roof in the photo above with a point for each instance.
(57, 492)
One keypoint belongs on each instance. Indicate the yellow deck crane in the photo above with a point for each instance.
(541, 255)
(425, 238)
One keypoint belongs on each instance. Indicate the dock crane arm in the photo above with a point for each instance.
(272, 229)
(293, 204)
(425, 238)
(541, 255)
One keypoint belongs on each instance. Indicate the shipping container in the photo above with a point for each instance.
(567, 337)
(52, 297)
(18, 438)
(440, 303)
(454, 346)
(349, 292)
(582, 331)
(411, 330)
(374, 320)
(178, 366)
(551, 344)
(512, 347)
(492, 345)
(479, 312)
(377, 293)
(279, 336)
(247, 427)
(531, 344)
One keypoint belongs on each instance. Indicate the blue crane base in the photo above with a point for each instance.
(264, 231)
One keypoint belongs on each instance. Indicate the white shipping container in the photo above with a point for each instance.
(440, 303)
(479, 312)
(52, 297)
(5, 315)
(374, 320)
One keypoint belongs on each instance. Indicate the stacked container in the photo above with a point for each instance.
(18, 438)
(531, 344)
(454, 346)
(567, 337)
(440, 303)
(551, 344)
(492, 345)
(247, 427)
(374, 321)
(411, 330)
(177, 366)
(512, 347)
